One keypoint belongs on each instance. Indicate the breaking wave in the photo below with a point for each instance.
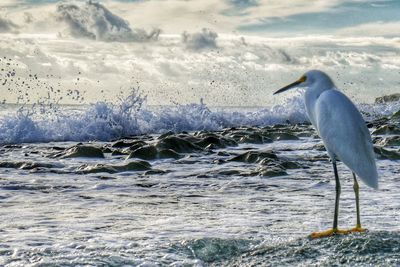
(105, 121)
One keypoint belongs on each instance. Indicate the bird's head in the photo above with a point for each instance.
(308, 79)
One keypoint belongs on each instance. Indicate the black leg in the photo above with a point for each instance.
(335, 219)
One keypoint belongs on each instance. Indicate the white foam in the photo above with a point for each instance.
(104, 121)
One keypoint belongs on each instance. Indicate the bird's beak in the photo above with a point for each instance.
(292, 85)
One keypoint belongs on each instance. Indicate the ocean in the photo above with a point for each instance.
(121, 146)
(125, 184)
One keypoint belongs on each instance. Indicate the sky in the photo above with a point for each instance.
(259, 17)
(226, 52)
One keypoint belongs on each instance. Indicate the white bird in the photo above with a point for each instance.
(344, 133)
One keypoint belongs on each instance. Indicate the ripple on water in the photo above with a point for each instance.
(202, 184)
(212, 250)
(369, 249)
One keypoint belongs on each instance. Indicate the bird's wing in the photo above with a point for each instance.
(346, 135)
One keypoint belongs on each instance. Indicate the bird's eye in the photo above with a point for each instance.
(303, 78)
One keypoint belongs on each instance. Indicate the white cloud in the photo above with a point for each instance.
(200, 40)
(172, 16)
(242, 71)
(94, 21)
(7, 25)
(175, 16)
(390, 29)
(9, 3)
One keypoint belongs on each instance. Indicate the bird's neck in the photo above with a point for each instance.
(311, 96)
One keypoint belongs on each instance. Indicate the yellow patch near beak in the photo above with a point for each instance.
(292, 85)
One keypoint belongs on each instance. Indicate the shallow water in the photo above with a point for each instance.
(206, 206)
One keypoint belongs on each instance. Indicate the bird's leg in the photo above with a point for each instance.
(338, 191)
(356, 188)
(334, 230)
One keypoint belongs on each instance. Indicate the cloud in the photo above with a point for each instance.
(200, 40)
(7, 25)
(123, 20)
(243, 3)
(225, 16)
(94, 21)
(240, 72)
(388, 29)
(9, 3)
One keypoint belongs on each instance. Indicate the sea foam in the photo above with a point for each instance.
(105, 121)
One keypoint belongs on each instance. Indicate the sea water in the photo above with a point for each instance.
(201, 208)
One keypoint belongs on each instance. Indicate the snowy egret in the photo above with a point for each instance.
(344, 133)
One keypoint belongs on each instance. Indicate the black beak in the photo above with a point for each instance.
(290, 86)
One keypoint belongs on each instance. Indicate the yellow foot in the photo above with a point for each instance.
(358, 230)
(330, 232)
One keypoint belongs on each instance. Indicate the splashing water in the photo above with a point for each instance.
(105, 121)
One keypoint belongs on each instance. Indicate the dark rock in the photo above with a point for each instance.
(169, 133)
(211, 147)
(387, 98)
(237, 135)
(131, 166)
(317, 158)
(118, 152)
(319, 147)
(97, 168)
(254, 138)
(376, 139)
(396, 115)
(212, 139)
(168, 153)
(102, 177)
(136, 145)
(305, 134)
(12, 146)
(134, 166)
(107, 150)
(153, 172)
(267, 161)
(219, 161)
(122, 143)
(24, 165)
(145, 152)
(280, 136)
(254, 156)
(82, 151)
(58, 148)
(389, 141)
(177, 144)
(378, 122)
(383, 153)
(216, 141)
(291, 165)
(387, 129)
(150, 152)
(279, 126)
(271, 171)
(281, 163)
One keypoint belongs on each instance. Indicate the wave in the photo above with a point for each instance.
(105, 121)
